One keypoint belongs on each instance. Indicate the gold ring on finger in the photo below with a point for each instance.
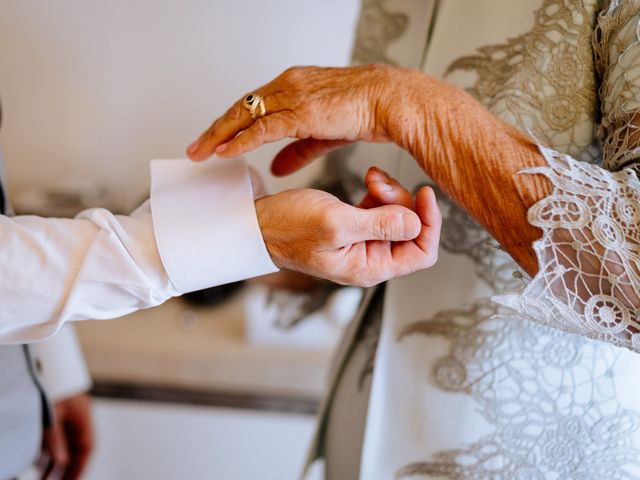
(255, 104)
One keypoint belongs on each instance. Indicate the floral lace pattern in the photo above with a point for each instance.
(546, 427)
(557, 102)
(589, 254)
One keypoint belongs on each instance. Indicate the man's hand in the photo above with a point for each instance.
(313, 232)
(67, 444)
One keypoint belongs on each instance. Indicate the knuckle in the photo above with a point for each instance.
(293, 74)
(387, 226)
(284, 125)
(330, 226)
(260, 127)
(236, 112)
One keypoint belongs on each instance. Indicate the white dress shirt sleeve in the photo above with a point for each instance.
(100, 265)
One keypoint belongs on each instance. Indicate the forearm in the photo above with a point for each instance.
(474, 157)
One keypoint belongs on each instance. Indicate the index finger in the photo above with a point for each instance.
(431, 218)
(422, 252)
(225, 128)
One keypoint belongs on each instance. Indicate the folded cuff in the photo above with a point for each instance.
(205, 223)
(64, 372)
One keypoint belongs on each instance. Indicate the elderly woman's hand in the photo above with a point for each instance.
(471, 154)
(313, 232)
(324, 107)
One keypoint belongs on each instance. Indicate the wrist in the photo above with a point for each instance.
(264, 216)
(413, 119)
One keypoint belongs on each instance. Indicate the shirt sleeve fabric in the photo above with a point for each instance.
(100, 265)
(589, 255)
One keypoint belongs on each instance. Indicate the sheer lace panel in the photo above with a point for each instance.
(589, 254)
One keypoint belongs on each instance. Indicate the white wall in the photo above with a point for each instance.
(95, 89)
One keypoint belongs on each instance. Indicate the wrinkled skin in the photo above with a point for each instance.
(471, 154)
(313, 232)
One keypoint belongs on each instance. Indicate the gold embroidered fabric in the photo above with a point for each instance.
(543, 81)
(616, 46)
(377, 28)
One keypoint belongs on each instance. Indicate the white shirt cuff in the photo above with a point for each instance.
(205, 223)
(63, 371)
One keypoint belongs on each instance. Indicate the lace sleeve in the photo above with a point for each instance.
(589, 255)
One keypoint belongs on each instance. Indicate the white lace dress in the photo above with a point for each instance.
(474, 371)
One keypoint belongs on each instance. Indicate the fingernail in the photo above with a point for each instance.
(221, 148)
(383, 172)
(385, 187)
(193, 147)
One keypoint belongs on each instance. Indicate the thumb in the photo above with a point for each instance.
(389, 222)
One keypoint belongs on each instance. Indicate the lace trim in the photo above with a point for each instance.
(550, 398)
(589, 254)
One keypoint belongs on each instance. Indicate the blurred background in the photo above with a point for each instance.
(225, 384)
